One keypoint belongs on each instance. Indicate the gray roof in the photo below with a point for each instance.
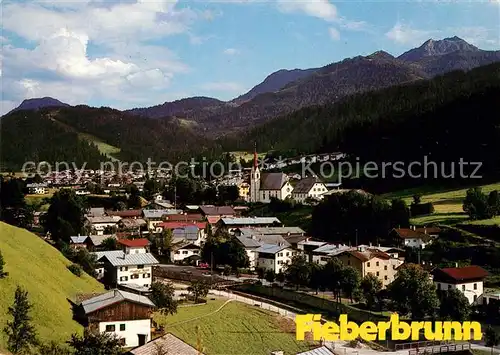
(98, 239)
(279, 230)
(322, 350)
(272, 181)
(154, 213)
(249, 220)
(163, 203)
(271, 248)
(331, 249)
(294, 238)
(305, 185)
(119, 258)
(170, 343)
(189, 232)
(272, 239)
(79, 239)
(249, 242)
(96, 212)
(104, 219)
(112, 297)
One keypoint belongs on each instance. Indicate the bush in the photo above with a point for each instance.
(75, 269)
(422, 209)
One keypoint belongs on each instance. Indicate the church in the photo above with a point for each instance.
(264, 186)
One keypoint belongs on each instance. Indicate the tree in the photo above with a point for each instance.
(417, 199)
(316, 281)
(66, 215)
(227, 270)
(270, 276)
(21, 334)
(491, 338)
(149, 189)
(400, 214)
(454, 306)
(198, 289)
(134, 199)
(87, 260)
(371, 286)
(225, 250)
(95, 343)
(2, 265)
(13, 207)
(162, 295)
(53, 348)
(476, 204)
(228, 194)
(334, 273)
(120, 206)
(109, 244)
(298, 271)
(413, 292)
(350, 281)
(280, 277)
(494, 202)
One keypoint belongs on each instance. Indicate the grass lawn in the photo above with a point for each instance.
(236, 329)
(41, 270)
(247, 156)
(105, 148)
(447, 204)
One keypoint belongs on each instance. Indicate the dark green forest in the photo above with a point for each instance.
(26, 136)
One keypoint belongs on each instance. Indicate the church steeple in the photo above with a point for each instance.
(255, 160)
(255, 177)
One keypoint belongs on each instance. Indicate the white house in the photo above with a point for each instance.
(310, 187)
(99, 224)
(184, 250)
(166, 344)
(274, 257)
(410, 237)
(265, 186)
(124, 314)
(131, 266)
(468, 280)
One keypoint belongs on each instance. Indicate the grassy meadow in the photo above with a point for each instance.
(236, 329)
(42, 271)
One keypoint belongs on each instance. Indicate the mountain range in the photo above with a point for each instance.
(285, 91)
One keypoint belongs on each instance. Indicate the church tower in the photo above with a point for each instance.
(255, 178)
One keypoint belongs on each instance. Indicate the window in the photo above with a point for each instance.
(385, 277)
(140, 266)
(177, 252)
(145, 276)
(378, 273)
(135, 276)
(463, 287)
(184, 252)
(121, 341)
(475, 298)
(123, 268)
(348, 262)
(377, 263)
(385, 267)
(110, 328)
(287, 253)
(475, 286)
(368, 264)
(123, 278)
(122, 327)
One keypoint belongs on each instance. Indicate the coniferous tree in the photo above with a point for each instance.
(21, 334)
(95, 343)
(2, 265)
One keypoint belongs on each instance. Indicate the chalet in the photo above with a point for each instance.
(251, 246)
(78, 241)
(371, 261)
(214, 213)
(131, 265)
(166, 344)
(410, 237)
(240, 222)
(433, 232)
(274, 257)
(98, 225)
(184, 250)
(190, 233)
(124, 314)
(468, 280)
(324, 253)
(308, 188)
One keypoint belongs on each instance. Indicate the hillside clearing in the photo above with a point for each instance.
(41, 270)
(236, 329)
(245, 155)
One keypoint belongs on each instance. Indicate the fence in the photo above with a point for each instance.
(440, 349)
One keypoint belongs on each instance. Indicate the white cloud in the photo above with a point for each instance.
(231, 51)
(95, 49)
(405, 34)
(322, 9)
(334, 34)
(229, 87)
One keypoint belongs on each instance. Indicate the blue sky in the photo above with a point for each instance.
(133, 53)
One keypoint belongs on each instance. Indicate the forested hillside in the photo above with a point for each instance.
(29, 136)
(452, 116)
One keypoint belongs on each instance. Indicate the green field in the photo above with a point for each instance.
(447, 204)
(41, 270)
(110, 151)
(236, 329)
(248, 156)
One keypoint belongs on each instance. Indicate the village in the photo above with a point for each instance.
(190, 253)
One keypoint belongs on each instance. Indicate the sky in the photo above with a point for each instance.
(138, 53)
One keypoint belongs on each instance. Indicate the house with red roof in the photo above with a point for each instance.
(468, 279)
(411, 237)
